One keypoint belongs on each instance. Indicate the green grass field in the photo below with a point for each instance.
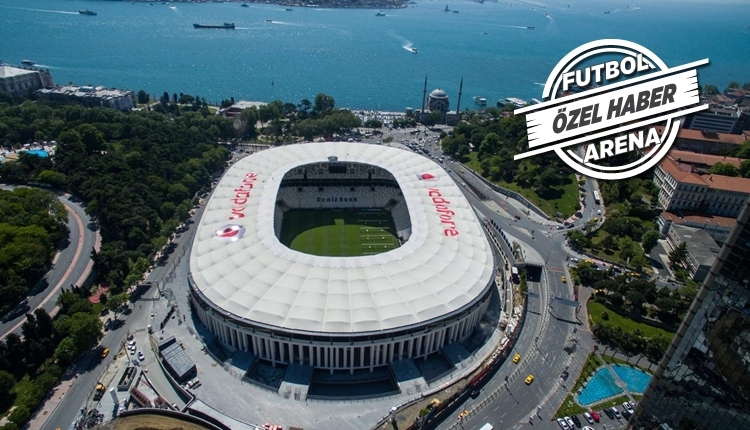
(339, 233)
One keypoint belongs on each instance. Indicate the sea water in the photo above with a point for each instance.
(362, 60)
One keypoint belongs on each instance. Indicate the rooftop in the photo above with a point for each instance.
(685, 217)
(7, 71)
(706, 136)
(176, 357)
(86, 91)
(685, 173)
(700, 244)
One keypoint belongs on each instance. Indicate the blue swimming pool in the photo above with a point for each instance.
(636, 379)
(39, 152)
(601, 386)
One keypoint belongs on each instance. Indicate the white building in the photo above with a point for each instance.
(21, 80)
(91, 96)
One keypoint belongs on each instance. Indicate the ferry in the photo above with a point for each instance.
(27, 62)
(380, 14)
(512, 101)
(226, 25)
(481, 101)
(87, 12)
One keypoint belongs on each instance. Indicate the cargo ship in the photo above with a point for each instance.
(226, 25)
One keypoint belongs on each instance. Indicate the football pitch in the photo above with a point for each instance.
(339, 232)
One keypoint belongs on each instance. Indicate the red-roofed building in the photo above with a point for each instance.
(683, 187)
(707, 142)
(717, 226)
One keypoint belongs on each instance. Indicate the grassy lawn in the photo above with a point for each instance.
(565, 204)
(627, 324)
(339, 232)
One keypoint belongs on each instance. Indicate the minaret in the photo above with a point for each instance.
(424, 92)
(460, 90)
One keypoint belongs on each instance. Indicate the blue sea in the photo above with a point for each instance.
(360, 59)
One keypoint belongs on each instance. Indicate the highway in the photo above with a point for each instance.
(547, 343)
(71, 267)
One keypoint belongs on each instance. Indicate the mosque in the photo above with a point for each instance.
(438, 101)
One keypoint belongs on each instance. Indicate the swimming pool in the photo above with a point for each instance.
(636, 379)
(601, 386)
(38, 152)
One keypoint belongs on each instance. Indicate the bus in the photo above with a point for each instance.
(596, 197)
(487, 426)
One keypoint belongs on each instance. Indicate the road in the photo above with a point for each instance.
(90, 368)
(549, 341)
(71, 267)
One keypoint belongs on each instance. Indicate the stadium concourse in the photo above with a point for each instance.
(341, 257)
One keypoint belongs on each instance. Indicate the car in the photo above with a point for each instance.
(616, 412)
(574, 260)
(463, 414)
(564, 280)
(517, 216)
(609, 413)
(132, 351)
(559, 227)
(632, 405)
(598, 211)
(587, 428)
(569, 421)
(141, 356)
(627, 407)
(474, 394)
(529, 379)
(626, 414)
(104, 353)
(595, 415)
(563, 424)
(587, 416)
(576, 420)
(517, 358)
(136, 362)
(595, 219)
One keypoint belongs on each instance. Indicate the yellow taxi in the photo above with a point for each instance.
(564, 280)
(463, 414)
(529, 379)
(596, 219)
(105, 352)
(517, 358)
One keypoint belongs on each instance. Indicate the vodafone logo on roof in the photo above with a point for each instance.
(229, 233)
(427, 176)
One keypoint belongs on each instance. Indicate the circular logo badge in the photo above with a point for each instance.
(229, 233)
(612, 109)
(427, 176)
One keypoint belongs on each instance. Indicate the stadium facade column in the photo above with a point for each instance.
(362, 356)
(337, 353)
(411, 347)
(372, 357)
(351, 359)
(282, 351)
(317, 357)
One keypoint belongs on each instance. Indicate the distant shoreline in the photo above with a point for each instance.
(326, 4)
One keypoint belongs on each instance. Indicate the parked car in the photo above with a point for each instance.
(569, 421)
(576, 420)
(626, 415)
(563, 424)
(141, 356)
(529, 379)
(587, 416)
(626, 406)
(616, 412)
(474, 394)
(609, 413)
(595, 415)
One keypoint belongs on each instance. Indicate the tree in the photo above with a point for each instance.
(578, 240)
(678, 255)
(323, 103)
(649, 241)
(636, 300)
(7, 382)
(116, 301)
(627, 248)
(724, 169)
(710, 89)
(733, 85)
(66, 351)
(639, 262)
(745, 169)
(142, 97)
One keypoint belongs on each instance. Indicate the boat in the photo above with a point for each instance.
(172, 6)
(606, 13)
(269, 20)
(87, 12)
(226, 25)
(288, 9)
(455, 11)
(530, 28)
(414, 50)
(446, 9)
(380, 14)
(244, 5)
(27, 62)
(481, 101)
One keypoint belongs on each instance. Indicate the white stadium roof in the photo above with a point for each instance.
(256, 277)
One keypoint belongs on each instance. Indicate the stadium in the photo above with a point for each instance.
(339, 256)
